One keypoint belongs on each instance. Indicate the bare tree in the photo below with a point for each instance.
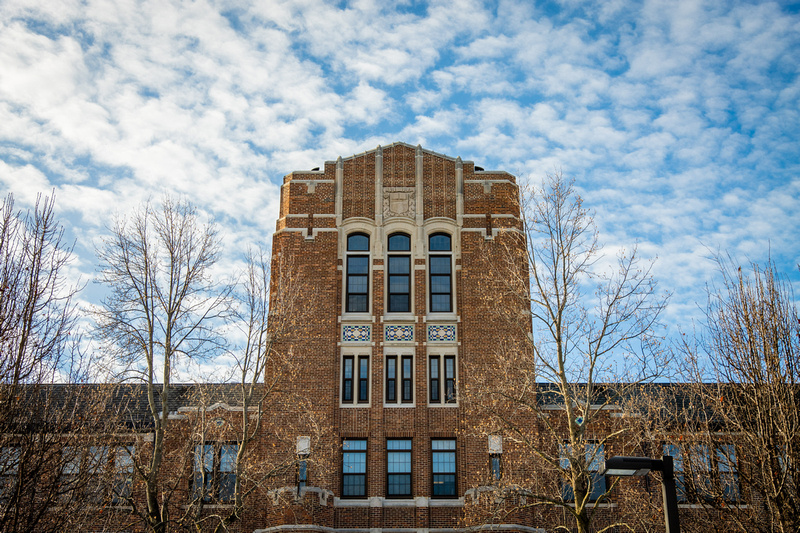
(271, 410)
(740, 419)
(162, 308)
(44, 459)
(588, 334)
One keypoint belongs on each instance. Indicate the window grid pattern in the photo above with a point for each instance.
(399, 274)
(440, 273)
(354, 468)
(357, 291)
(398, 466)
(443, 462)
(214, 472)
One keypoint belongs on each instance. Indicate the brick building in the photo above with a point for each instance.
(387, 259)
(395, 240)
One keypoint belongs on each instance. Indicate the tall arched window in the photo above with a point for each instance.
(357, 291)
(440, 273)
(399, 263)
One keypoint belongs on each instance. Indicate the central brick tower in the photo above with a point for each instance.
(395, 243)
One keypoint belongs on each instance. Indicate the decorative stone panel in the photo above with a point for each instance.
(356, 333)
(441, 333)
(399, 333)
(399, 202)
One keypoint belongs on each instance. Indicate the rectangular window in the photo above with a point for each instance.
(398, 466)
(357, 284)
(449, 379)
(442, 367)
(496, 466)
(443, 463)
(347, 379)
(435, 383)
(402, 377)
(123, 474)
(70, 471)
(440, 284)
(96, 461)
(363, 379)
(595, 458)
(399, 283)
(391, 379)
(701, 483)
(355, 379)
(679, 471)
(354, 468)
(214, 476)
(728, 473)
(9, 469)
(302, 475)
(408, 379)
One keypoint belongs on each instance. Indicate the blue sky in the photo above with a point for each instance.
(680, 120)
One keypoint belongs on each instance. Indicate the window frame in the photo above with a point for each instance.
(438, 386)
(399, 253)
(440, 255)
(123, 474)
(496, 466)
(711, 472)
(409, 473)
(454, 473)
(345, 475)
(403, 381)
(356, 253)
(10, 459)
(219, 485)
(594, 464)
(360, 380)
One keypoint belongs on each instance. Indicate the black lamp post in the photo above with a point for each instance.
(640, 466)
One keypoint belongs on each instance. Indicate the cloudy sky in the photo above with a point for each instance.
(680, 120)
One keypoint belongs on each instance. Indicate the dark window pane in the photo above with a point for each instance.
(440, 264)
(357, 284)
(440, 303)
(598, 486)
(497, 470)
(391, 391)
(354, 485)
(399, 284)
(358, 242)
(227, 486)
(433, 387)
(348, 391)
(302, 474)
(357, 264)
(399, 303)
(363, 379)
(357, 303)
(440, 285)
(439, 243)
(444, 485)
(399, 485)
(399, 242)
(399, 264)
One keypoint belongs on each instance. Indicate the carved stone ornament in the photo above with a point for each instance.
(399, 202)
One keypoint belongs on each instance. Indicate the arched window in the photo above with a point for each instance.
(357, 291)
(399, 297)
(440, 273)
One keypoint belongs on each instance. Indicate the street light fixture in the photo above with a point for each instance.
(640, 466)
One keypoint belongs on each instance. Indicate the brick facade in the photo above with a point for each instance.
(398, 189)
